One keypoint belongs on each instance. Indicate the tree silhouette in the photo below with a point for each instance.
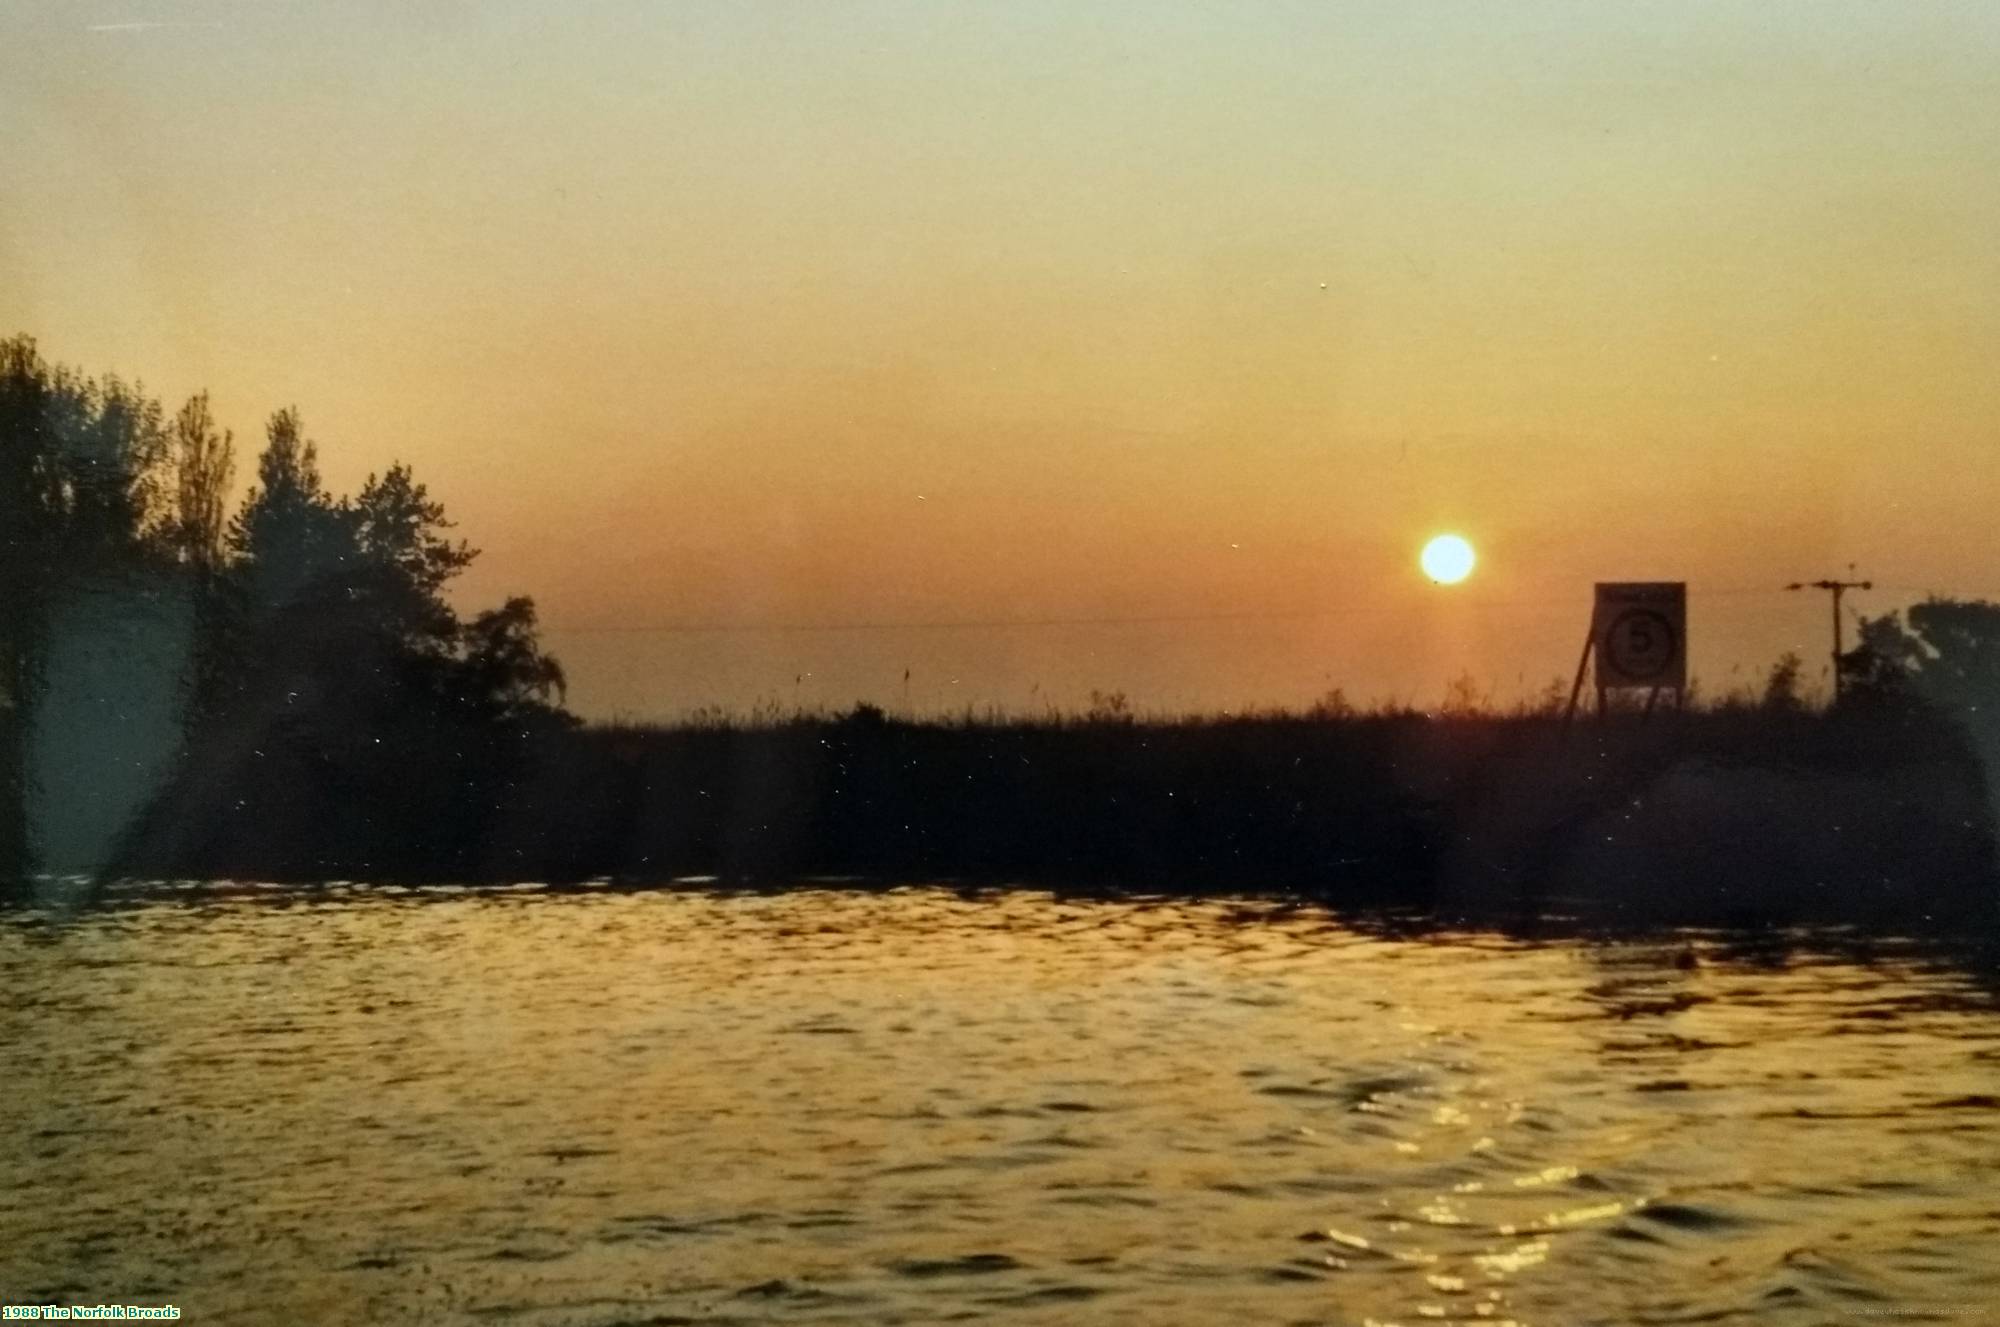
(1948, 655)
(1963, 640)
(27, 519)
(325, 649)
(204, 462)
(79, 464)
(504, 666)
(1781, 685)
(403, 560)
(80, 487)
(288, 540)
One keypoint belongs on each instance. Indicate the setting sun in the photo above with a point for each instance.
(1448, 559)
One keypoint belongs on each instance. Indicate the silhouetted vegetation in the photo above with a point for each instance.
(319, 710)
(296, 667)
(1783, 693)
(1732, 812)
(1946, 656)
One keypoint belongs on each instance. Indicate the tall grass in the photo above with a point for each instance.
(1752, 809)
(1724, 810)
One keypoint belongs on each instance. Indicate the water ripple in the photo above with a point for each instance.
(590, 1107)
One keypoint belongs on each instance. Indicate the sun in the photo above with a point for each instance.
(1448, 559)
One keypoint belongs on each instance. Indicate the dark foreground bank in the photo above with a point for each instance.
(1727, 815)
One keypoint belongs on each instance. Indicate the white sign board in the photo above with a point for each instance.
(1640, 631)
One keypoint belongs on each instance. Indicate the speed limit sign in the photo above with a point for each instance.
(1640, 631)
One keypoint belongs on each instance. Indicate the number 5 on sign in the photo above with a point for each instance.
(1640, 632)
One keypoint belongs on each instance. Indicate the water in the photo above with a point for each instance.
(914, 1107)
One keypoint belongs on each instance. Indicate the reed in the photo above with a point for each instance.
(1727, 812)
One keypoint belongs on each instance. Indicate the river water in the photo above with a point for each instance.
(914, 1106)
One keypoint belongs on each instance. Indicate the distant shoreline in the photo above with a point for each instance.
(1720, 815)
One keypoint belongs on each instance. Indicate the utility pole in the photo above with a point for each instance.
(1836, 588)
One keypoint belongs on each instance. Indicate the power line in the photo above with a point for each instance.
(1932, 592)
(1032, 624)
(964, 624)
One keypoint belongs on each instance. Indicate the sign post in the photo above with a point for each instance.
(1641, 633)
(1638, 633)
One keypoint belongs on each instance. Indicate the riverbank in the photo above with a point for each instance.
(1733, 814)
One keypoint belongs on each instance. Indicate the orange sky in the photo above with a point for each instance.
(781, 314)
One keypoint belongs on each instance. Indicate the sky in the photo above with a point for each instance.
(1041, 348)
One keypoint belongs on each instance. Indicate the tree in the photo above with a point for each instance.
(204, 462)
(27, 510)
(290, 539)
(113, 458)
(1883, 663)
(405, 560)
(329, 668)
(80, 463)
(1781, 685)
(504, 667)
(80, 485)
(1962, 641)
(1948, 655)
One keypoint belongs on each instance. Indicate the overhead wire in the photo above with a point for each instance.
(1098, 620)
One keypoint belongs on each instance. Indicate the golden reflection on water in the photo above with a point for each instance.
(605, 1107)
